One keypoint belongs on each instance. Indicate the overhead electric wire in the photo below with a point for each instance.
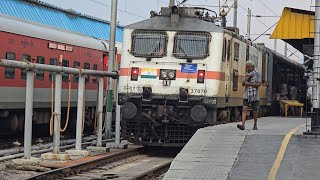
(252, 16)
(269, 8)
(124, 11)
(265, 31)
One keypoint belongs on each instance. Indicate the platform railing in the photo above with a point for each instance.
(30, 68)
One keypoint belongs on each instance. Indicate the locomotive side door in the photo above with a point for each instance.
(228, 66)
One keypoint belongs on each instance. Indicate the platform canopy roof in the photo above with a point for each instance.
(296, 27)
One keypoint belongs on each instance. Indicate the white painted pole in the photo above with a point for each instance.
(52, 68)
(57, 114)
(79, 112)
(100, 107)
(28, 113)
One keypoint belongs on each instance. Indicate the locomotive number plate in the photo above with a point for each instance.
(197, 91)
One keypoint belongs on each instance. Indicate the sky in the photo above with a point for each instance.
(130, 11)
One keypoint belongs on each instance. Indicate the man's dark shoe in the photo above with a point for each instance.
(255, 128)
(240, 126)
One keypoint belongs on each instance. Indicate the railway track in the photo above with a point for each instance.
(134, 163)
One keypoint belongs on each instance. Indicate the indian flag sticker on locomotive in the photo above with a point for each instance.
(149, 73)
(189, 68)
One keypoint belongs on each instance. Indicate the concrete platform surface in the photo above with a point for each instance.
(224, 152)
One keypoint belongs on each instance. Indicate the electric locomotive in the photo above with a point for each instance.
(180, 72)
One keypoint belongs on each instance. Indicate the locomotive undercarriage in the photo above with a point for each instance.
(164, 120)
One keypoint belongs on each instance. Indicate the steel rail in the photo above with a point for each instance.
(58, 69)
(152, 172)
(76, 169)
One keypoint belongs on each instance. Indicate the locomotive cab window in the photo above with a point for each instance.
(40, 74)
(149, 44)
(25, 57)
(9, 71)
(190, 45)
(65, 77)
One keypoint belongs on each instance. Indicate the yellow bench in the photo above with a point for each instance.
(294, 103)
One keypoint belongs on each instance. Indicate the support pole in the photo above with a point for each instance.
(235, 13)
(109, 106)
(171, 3)
(316, 70)
(249, 24)
(28, 113)
(57, 114)
(275, 45)
(285, 49)
(79, 112)
(315, 88)
(100, 106)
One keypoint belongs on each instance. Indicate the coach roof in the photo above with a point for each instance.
(36, 30)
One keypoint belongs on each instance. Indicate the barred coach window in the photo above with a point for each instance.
(191, 45)
(149, 43)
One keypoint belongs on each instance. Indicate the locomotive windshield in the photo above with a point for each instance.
(191, 45)
(149, 43)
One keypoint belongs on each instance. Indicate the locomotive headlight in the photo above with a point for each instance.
(171, 74)
(164, 74)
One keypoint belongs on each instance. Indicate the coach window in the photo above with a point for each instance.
(40, 74)
(25, 57)
(191, 45)
(224, 49)
(86, 66)
(76, 64)
(236, 51)
(65, 77)
(52, 75)
(235, 80)
(9, 71)
(149, 44)
(94, 79)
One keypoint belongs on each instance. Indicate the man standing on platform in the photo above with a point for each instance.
(252, 82)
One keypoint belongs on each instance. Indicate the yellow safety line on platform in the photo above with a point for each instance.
(276, 165)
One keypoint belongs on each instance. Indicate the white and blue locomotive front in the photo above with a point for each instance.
(169, 80)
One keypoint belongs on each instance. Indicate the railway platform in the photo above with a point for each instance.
(278, 150)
